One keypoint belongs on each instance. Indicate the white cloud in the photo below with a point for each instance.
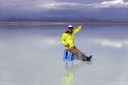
(23, 4)
(60, 5)
(111, 43)
(53, 4)
(109, 4)
(104, 4)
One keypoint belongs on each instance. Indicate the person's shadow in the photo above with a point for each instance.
(70, 69)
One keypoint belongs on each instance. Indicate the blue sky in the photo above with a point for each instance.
(106, 9)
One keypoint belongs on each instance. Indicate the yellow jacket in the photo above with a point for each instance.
(69, 38)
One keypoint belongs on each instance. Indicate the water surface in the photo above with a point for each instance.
(33, 55)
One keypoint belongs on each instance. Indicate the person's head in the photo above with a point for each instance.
(70, 28)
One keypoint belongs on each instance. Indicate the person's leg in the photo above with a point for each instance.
(74, 51)
(84, 57)
(78, 53)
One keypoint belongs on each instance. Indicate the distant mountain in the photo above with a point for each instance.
(62, 19)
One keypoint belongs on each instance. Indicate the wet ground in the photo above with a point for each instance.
(33, 55)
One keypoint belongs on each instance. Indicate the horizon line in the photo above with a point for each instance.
(56, 23)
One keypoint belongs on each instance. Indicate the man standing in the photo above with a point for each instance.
(68, 40)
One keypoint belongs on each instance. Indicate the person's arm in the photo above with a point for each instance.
(77, 30)
(63, 39)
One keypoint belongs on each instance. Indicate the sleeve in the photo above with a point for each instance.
(63, 39)
(77, 30)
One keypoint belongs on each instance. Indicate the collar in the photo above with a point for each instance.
(68, 32)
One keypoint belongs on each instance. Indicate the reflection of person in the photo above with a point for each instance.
(68, 40)
(68, 79)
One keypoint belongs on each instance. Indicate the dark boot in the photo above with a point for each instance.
(86, 58)
(89, 58)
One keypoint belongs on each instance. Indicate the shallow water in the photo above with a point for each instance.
(33, 55)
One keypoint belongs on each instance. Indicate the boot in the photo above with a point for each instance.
(85, 58)
(89, 58)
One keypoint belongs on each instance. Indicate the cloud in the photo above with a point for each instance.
(111, 43)
(23, 4)
(41, 8)
(53, 4)
(67, 5)
(110, 4)
(61, 5)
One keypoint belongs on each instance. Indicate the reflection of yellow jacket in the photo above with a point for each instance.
(69, 38)
(68, 79)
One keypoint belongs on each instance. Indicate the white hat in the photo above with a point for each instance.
(70, 26)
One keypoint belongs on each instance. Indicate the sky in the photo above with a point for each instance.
(104, 9)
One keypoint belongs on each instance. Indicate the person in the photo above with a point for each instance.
(68, 41)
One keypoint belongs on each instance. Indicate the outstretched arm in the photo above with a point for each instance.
(77, 30)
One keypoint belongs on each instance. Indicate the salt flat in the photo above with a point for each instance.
(33, 55)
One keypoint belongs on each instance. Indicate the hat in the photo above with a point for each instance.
(70, 26)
